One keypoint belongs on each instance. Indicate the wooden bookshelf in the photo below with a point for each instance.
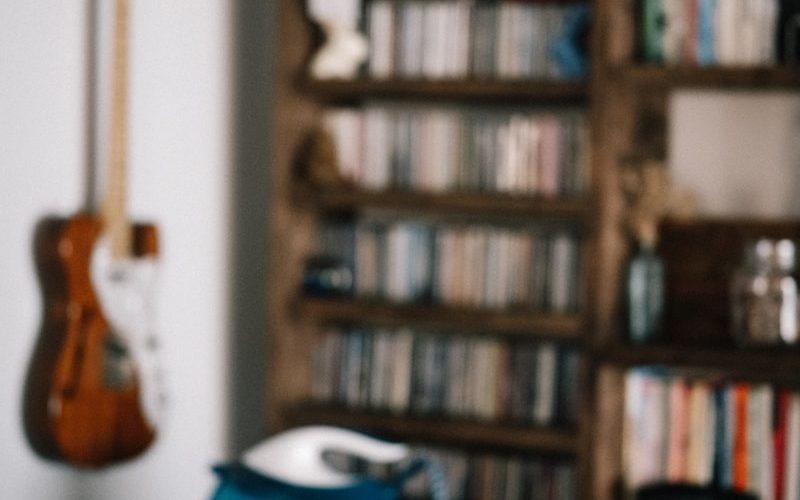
(444, 431)
(497, 91)
(521, 323)
(760, 78)
(458, 203)
(298, 209)
(627, 105)
(773, 364)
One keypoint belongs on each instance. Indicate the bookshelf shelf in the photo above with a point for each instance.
(525, 323)
(516, 91)
(461, 203)
(758, 78)
(443, 430)
(765, 364)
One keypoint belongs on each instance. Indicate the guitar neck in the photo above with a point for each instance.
(114, 211)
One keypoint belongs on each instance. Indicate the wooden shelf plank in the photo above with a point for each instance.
(765, 364)
(759, 78)
(493, 204)
(442, 430)
(545, 325)
(450, 90)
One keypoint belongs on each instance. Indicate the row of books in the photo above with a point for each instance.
(462, 38)
(716, 32)
(497, 477)
(736, 436)
(466, 265)
(419, 373)
(481, 476)
(439, 149)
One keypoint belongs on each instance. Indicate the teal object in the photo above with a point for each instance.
(237, 482)
(292, 466)
(645, 296)
(569, 49)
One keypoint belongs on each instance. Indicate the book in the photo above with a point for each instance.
(706, 32)
(444, 149)
(400, 395)
(725, 21)
(678, 429)
(544, 405)
(380, 25)
(471, 265)
(697, 467)
(380, 377)
(460, 376)
(711, 32)
(689, 429)
(760, 441)
(675, 30)
(741, 463)
(461, 39)
(692, 33)
(567, 399)
(788, 32)
(791, 485)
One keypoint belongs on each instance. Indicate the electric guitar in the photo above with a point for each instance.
(93, 394)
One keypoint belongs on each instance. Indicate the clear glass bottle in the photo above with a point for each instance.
(764, 295)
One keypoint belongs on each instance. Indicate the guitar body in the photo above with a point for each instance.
(83, 401)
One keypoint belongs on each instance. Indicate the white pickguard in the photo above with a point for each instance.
(124, 288)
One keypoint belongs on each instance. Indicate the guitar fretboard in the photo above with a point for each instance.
(114, 211)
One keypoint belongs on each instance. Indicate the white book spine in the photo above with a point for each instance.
(675, 30)
(381, 32)
(503, 41)
(791, 480)
(545, 384)
(376, 147)
(431, 39)
(563, 251)
(461, 53)
(401, 371)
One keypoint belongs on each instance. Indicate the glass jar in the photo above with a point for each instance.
(764, 293)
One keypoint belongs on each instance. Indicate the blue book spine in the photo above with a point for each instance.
(720, 458)
(727, 438)
(705, 32)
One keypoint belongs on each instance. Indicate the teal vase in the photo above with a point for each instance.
(645, 296)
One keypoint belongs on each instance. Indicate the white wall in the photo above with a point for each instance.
(41, 168)
(739, 151)
(180, 168)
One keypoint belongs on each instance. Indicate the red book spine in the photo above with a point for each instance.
(691, 40)
(740, 466)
